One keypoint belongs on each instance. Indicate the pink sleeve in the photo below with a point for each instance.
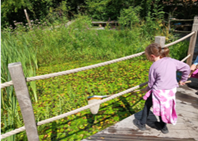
(147, 95)
(184, 68)
(152, 78)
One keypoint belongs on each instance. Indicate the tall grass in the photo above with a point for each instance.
(15, 49)
(80, 42)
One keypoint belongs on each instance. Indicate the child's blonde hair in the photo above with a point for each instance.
(156, 50)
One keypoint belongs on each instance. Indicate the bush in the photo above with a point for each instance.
(179, 51)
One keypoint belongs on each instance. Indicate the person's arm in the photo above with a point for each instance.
(195, 63)
(193, 67)
(152, 79)
(184, 68)
(144, 90)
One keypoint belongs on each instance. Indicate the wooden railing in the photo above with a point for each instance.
(181, 20)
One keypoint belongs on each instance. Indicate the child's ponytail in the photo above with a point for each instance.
(164, 52)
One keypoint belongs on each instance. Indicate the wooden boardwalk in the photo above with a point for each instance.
(186, 128)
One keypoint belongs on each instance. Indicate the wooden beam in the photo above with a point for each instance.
(27, 17)
(24, 100)
(160, 40)
(192, 43)
(174, 19)
(180, 31)
(101, 22)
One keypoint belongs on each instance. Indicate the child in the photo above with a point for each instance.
(162, 87)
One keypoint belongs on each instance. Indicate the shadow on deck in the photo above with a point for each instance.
(186, 128)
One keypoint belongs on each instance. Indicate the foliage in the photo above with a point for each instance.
(57, 15)
(130, 16)
(15, 51)
(112, 9)
(44, 46)
(79, 41)
(65, 93)
(106, 9)
(180, 50)
(13, 10)
(150, 25)
(49, 10)
(13, 6)
(46, 49)
(184, 9)
(154, 19)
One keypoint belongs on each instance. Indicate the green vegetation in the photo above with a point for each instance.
(46, 49)
(69, 92)
(52, 10)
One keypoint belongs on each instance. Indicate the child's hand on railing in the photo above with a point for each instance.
(182, 83)
(144, 90)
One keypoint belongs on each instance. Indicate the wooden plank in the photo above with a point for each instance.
(102, 22)
(182, 25)
(180, 31)
(174, 19)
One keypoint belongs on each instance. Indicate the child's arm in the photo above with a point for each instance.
(152, 78)
(144, 90)
(181, 83)
(184, 68)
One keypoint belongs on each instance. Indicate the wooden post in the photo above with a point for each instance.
(192, 43)
(169, 21)
(160, 40)
(27, 17)
(23, 97)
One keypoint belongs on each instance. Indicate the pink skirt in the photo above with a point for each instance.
(195, 74)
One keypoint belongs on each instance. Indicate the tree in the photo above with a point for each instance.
(186, 9)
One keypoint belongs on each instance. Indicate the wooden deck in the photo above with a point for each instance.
(186, 128)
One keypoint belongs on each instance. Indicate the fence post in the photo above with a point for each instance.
(27, 17)
(24, 100)
(192, 43)
(160, 40)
